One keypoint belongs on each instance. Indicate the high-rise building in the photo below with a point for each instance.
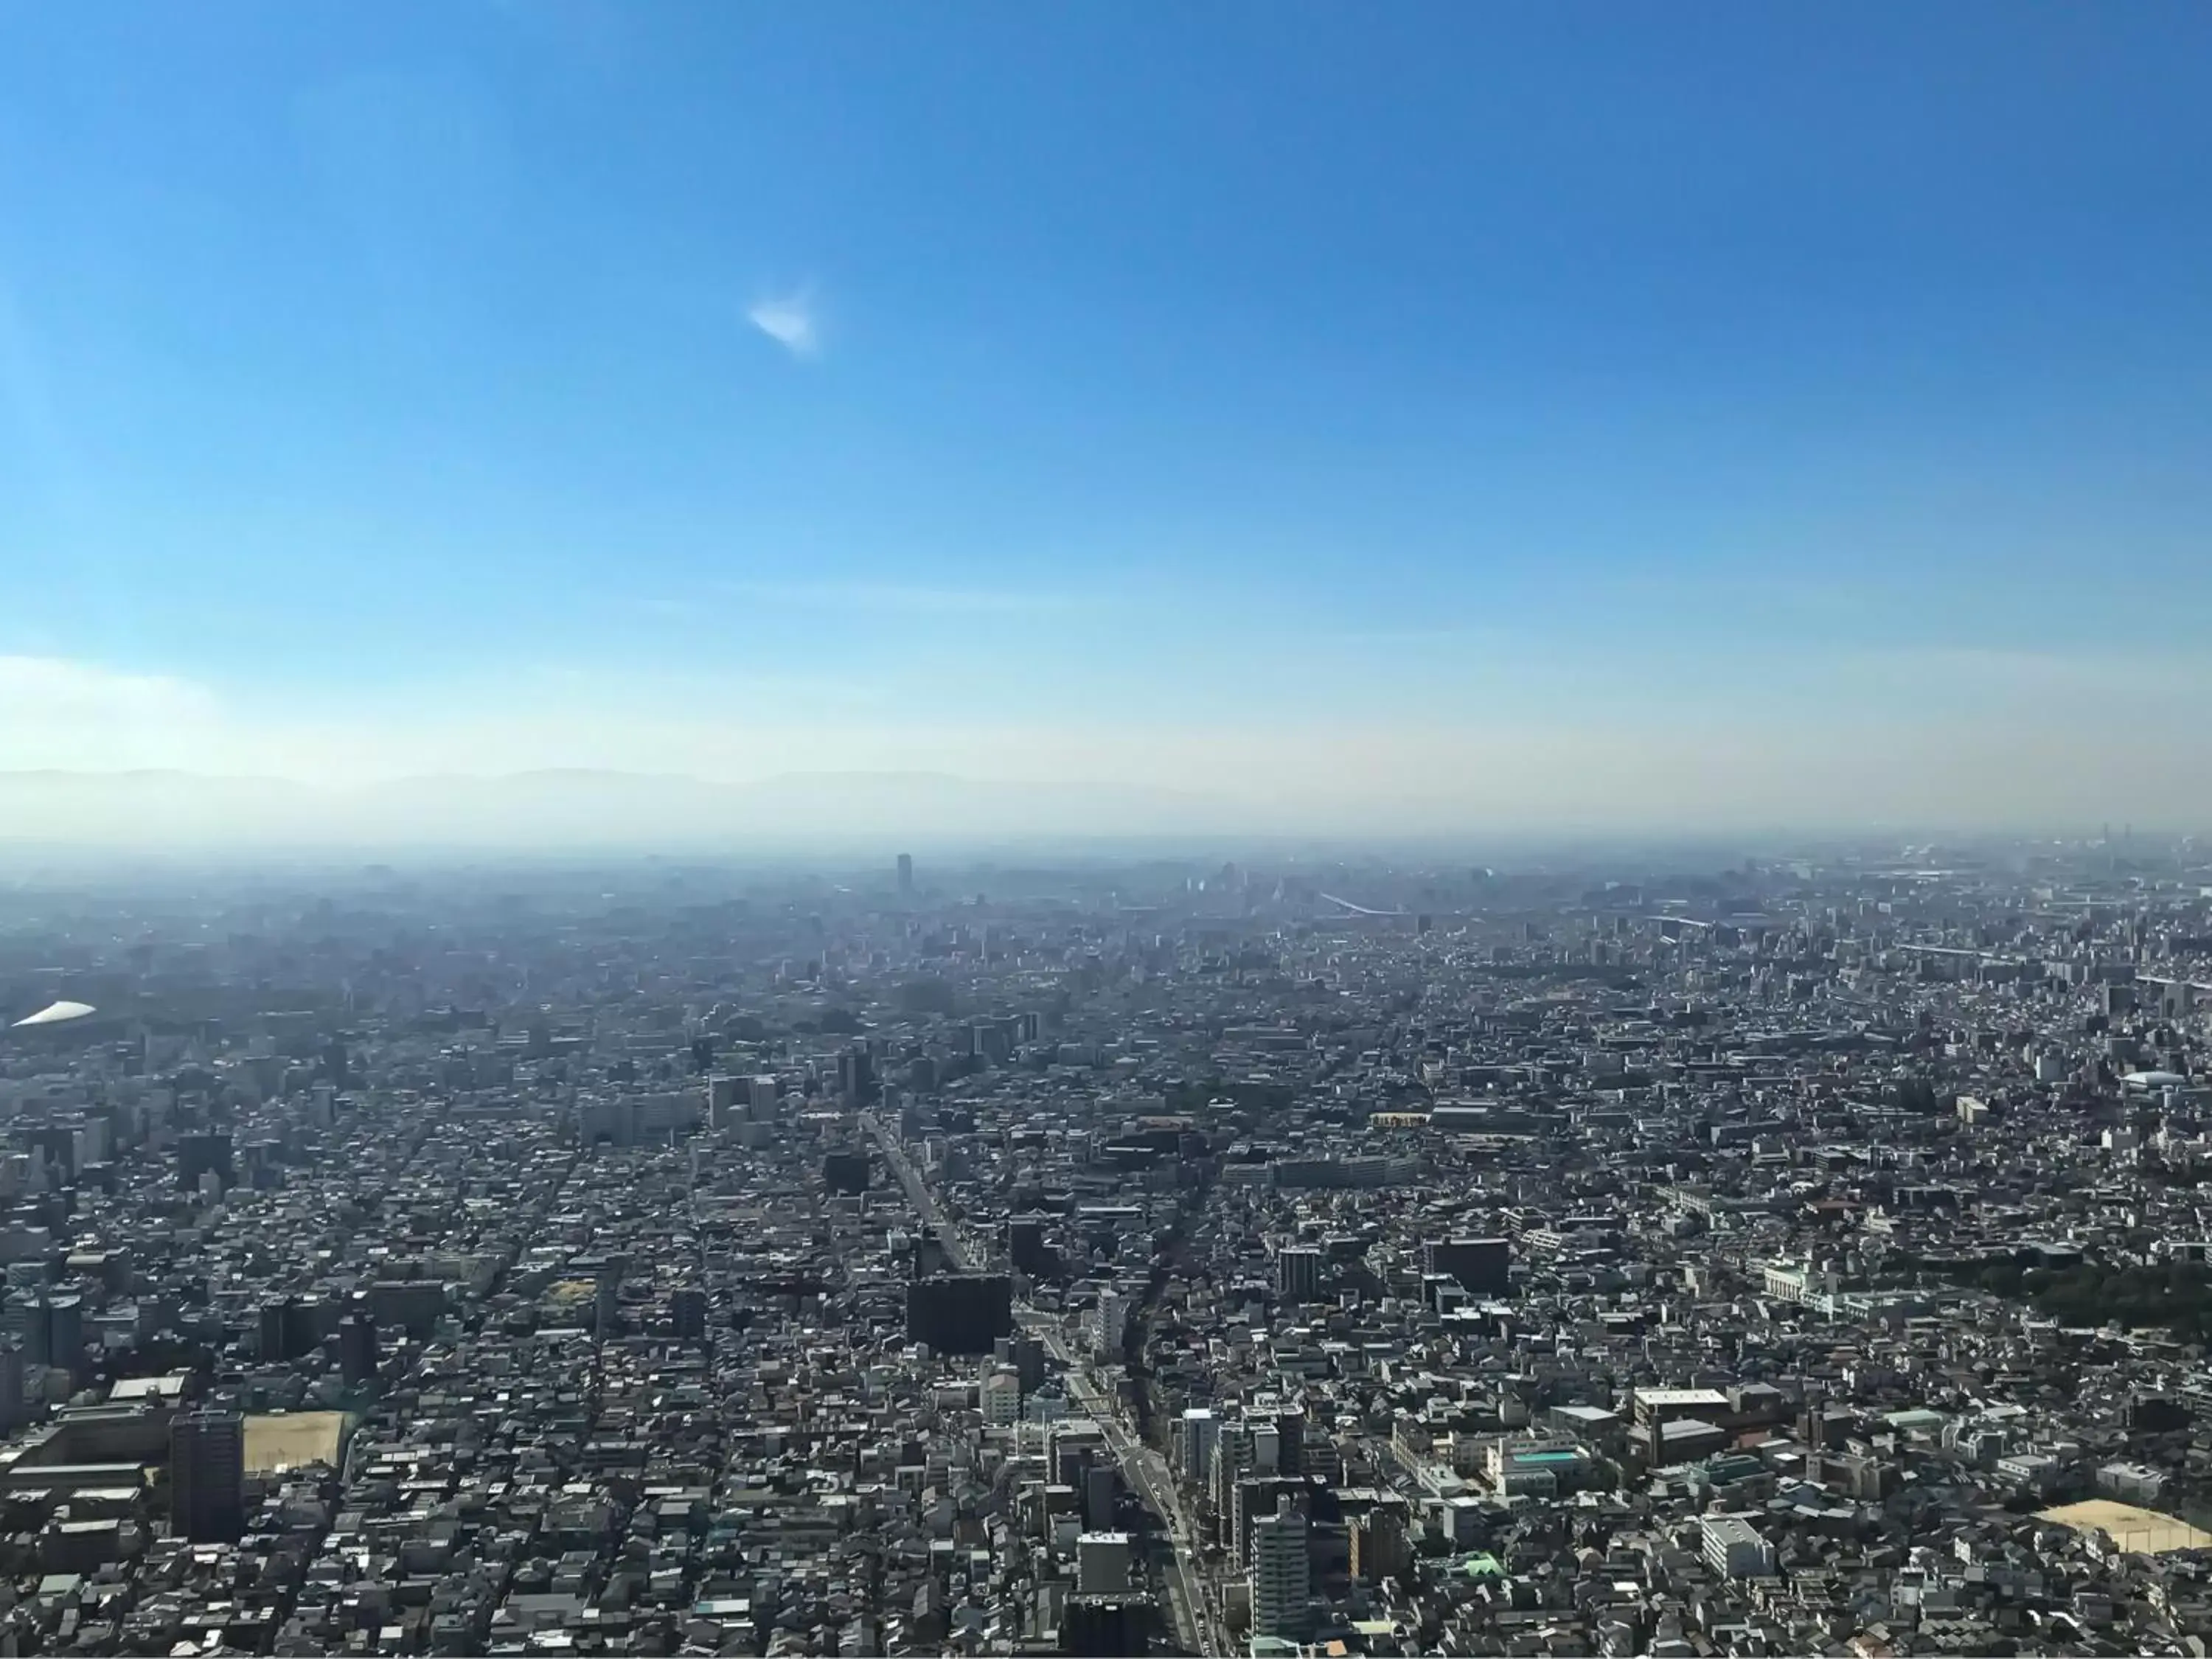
(11, 1384)
(204, 1154)
(906, 875)
(687, 1311)
(1102, 1563)
(272, 1345)
(722, 1100)
(998, 1392)
(856, 1078)
(1282, 1581)
(1200, 1430)
(357, 1355)
(1026, 1245)
(207, 1476)
(1108, 1322)
(1105, 1624)
(1297, 1273)
(1073, 1446)
(960, 1313)
(607, 1299)
(1480, 1265)
(1291, 1440)
(24, 1318)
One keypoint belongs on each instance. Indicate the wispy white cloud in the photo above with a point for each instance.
(792, 321)
(916, 599)
(60, 711)
(39, 691)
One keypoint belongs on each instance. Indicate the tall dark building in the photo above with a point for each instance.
(1291, 1440)
(687, 1310)
(906, 875)
(1480, 1264)
(207, 1476)
(1297, 1273)
(273, 1345)
(65, 1333)
(1105, 1624)
(357, 1355)
(203, 1154)
(1026, 1245)
(1025, 1353)
(960, 1313)
(856, 1077)
(846, 1172)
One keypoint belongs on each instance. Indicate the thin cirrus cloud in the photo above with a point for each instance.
(792, 321)
(903, 598)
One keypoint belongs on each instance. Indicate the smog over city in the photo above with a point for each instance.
(1262, 829)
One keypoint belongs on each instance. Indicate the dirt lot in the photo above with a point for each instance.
(2145, 1530)
(286, 1440)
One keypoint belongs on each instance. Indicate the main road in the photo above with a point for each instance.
(1198, 1624)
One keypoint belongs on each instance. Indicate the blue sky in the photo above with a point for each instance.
(1153, 393)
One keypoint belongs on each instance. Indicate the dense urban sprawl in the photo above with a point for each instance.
(1605, 1254)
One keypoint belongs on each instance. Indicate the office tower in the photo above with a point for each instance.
(721, 1101)
(1026, 1245)
(607, 1303)
(1200, 1430)
(1297, 1273)
(199, 1155)
(11, 1385)
(761, 1098)
(1101, 1490)
(960, 1313)
(271, 1346)
(1291, 1440)
(1380, 1549)
(1071, 1445)
(846, 1172)
(687, 1310)
(1480, 1265)
(357, 1355)
(65, 1333)
(207, 1476)
(1115, 1625)
(1281, 1580)
(856, 1078)
(1102, 1563)
(906, 875)
(24, 1318)
(1025, 1353)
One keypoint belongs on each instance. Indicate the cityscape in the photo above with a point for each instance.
(1269, 830)
(1620, 1254)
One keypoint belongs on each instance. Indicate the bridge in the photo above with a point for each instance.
(1360, 910)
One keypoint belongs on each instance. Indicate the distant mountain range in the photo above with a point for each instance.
(575, 808)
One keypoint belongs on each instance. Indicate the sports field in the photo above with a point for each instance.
(2132, 1528)
(289, 1440)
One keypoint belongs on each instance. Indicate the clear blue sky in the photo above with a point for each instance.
(471, 383)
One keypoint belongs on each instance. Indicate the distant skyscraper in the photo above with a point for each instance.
(1297, 1273)
(207, 1476)
(687, 1311)
(357, 1347)
(11, 1384)
(856, 1077)
(906, 875)
(607, 1311)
